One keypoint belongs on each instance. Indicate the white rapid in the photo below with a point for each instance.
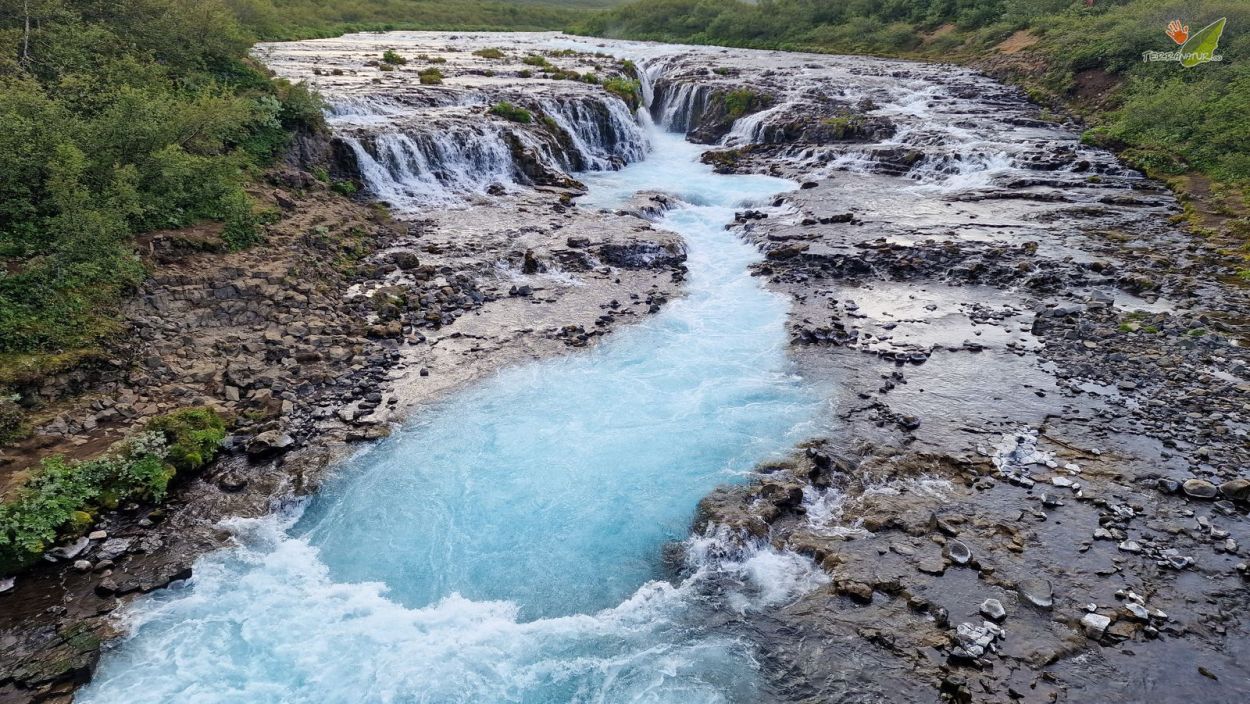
(507, 545)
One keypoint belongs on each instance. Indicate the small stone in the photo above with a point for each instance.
(1037, 592)
(106, 587)
(1168, 486)
(114, 548)
(1131, 546)
(268, 443)
(933, 566)
(993, 610)
(1095, 625)
(82, 565)
(1138, 611)
(958, 553)
(7, 584)
(71, 551)
(1236, 489)
(1199, 489)
(97, 535)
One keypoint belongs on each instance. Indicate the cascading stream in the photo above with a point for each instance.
(506, 545)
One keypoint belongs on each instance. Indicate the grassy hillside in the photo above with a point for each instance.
(1169, 120)
(120, 118)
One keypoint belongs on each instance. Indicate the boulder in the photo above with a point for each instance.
(269, 442)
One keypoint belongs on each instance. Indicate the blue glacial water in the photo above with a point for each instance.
(505, 546)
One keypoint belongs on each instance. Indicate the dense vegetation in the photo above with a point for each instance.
(63, 498)
(121, 118)
(1161, 116)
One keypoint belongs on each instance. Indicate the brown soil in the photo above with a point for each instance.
(1017, 42)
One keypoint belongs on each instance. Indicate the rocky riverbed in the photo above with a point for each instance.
(1031, 479)
(1033, 485)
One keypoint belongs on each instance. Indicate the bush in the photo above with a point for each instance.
(625, 89)
(490, 53)
(743, 101)
(192, 436)
(393, 58)
(430, 77)
(511, 112)
(61, 499)
(535, 60)
(344, 188)
(145, 117)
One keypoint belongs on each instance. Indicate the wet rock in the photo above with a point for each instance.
(269, 443)
(71, 551)
(106, 587)
(1037, 592)
(406, 261)
(232, 483)
(993, 610)
(113, 548)
(7, 584)
(1095, 625)
(958, 552)
(1199, 489)
(1236, 489)
(855, 590)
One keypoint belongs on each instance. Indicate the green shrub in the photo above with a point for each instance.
(344, 188)
(61, 498)
(511, 112)
(430, 76)
(741, 101)
(489, 53)
(148, 116)
(535, 60)
(393, 58)
(628, 90)
(192, 436)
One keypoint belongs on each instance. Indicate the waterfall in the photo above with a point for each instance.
(409, 169)
(437, 154)
(677, 107)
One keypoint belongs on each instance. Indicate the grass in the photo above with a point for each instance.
(512, 113)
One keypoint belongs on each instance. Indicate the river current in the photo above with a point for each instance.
(507, 545)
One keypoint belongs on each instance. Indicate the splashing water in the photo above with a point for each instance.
(506, 545)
